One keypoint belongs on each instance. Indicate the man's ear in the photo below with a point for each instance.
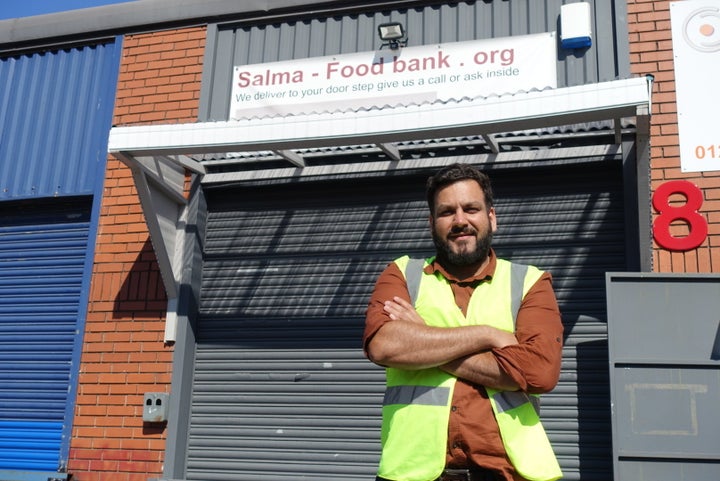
(493, 219)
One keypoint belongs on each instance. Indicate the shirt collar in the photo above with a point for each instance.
(486, 274)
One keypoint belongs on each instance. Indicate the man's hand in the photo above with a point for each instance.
(402, 310)
(502, 338)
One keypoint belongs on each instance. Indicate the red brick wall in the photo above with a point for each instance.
(124, 355)
(651, 53)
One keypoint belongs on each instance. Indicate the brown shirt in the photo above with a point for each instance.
(533, 363)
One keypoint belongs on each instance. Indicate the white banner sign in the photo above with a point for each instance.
(696, 48)
(395, 77)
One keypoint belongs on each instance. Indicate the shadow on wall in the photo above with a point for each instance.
(142, 289)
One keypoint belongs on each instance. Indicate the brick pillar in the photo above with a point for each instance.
(124, 355)
(651, 53)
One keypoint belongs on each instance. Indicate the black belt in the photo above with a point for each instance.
(469, 474)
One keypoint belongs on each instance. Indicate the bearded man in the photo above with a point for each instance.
(468, 342)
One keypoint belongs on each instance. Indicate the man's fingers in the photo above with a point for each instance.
(402, 302)
(398, 308)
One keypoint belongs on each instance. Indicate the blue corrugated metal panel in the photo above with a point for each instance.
(55, 114)
(31, 444)
(42, 254)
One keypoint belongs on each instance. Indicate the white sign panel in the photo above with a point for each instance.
(392, 77)
(696, 48)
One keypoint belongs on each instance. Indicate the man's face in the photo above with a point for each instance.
(462, 226)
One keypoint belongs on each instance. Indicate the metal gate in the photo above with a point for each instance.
(281, 387)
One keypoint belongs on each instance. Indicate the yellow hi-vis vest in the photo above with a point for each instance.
(416, 407)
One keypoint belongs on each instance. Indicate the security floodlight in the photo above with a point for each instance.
(392, 34)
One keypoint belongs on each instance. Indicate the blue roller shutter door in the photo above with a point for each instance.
(42, 254)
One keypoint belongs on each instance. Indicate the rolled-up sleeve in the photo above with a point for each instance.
(534, 363)
(391, 283)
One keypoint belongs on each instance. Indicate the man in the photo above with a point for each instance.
(467, 341)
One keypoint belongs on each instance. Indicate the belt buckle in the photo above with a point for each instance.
(456, 475)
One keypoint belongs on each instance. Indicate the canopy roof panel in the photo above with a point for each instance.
(487, 117)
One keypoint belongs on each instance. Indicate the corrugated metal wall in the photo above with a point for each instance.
(250, 43)
(55, 115)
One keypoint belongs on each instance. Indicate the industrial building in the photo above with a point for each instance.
(196, 199)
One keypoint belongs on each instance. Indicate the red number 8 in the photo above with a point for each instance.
(687, 212)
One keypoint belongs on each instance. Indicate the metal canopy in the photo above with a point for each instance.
(161, 155)
(482, 116)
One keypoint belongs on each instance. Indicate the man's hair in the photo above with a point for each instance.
(455, 173)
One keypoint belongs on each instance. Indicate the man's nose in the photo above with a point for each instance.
(460, 218)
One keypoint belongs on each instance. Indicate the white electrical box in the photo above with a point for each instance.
(155, 407)
(575, 25)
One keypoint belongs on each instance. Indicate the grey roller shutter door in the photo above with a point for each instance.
(281, 389)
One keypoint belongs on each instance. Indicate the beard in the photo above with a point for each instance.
(467, 255)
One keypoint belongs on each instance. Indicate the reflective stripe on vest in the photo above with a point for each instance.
(507, 400)
(427, 395)
(417, 403)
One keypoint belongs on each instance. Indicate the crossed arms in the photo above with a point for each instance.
(529, 360)
(408, 343)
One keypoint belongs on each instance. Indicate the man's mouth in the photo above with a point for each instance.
(461, 235)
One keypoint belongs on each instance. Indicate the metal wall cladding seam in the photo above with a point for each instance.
(55, 115)
(42, 256)
(281, 386)
(432, 24)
